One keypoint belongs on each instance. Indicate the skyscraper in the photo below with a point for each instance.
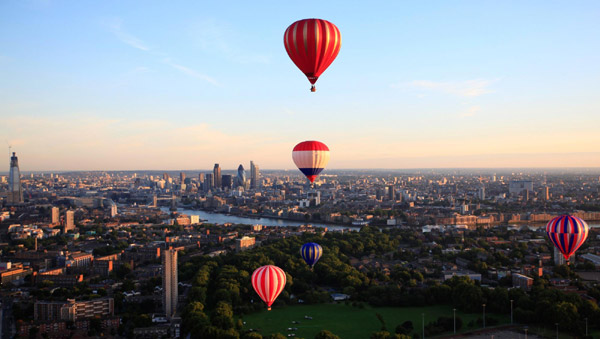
(254, 175)
(181, 178)
(391, 192)
(241, 176)
(55, 215)
(15, 192)
(227, 181)
(209, 182)
(69, 221)
(217, 176)
(169, 281)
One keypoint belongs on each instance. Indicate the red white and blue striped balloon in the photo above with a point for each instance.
(268, 282)
(311, 157)
(567, 233)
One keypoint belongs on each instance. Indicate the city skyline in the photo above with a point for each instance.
(92, 87)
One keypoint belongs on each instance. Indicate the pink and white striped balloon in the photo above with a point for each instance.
(268, 282)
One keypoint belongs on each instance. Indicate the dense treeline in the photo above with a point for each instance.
(222, 287)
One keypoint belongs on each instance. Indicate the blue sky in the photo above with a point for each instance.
(182, 85)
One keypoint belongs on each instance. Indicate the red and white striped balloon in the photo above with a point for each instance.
(311, 157)
(268, 282)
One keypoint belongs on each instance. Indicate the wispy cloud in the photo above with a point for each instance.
(472, 111)
(215, 36)
(191, 72)
(115, 26)
(467, 88)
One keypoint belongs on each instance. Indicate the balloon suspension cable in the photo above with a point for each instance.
(313, 88)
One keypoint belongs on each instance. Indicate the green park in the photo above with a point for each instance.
(358, 321)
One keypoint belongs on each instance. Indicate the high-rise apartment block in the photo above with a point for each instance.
(55, 215)
(15, 192)
(169, 282)
(69, 221)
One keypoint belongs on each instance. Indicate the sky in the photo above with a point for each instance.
(181, 85)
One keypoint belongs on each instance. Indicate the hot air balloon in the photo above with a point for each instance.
(268, 281)
(311, 157)
(567, 233)
(312, 44)
(311, 252)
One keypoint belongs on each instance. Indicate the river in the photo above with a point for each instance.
(219, 218)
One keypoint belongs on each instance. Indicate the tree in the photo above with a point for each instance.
(222, 316)
(325, 334)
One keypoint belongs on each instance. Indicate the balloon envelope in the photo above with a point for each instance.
(311, 253)
(567, 233)
(268, 282)
(311, 157)
(312, 44)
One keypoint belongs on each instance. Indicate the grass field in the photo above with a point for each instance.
(349, 322)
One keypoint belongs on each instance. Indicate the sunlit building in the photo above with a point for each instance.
(69, 221)
(55, 215)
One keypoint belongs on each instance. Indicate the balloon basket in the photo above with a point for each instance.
(269, 308)
(313, 88)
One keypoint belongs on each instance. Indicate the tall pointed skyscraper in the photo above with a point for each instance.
(15, 192)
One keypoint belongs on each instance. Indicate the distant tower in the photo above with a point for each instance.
(254, 175)
(69, 221)
(166, 177)
(481, 193)
(169, 281)
(217, 176)
(15, 192)
(55, 215)
(154, 201)
(201, 178)
(181, 178)
(241, 176)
